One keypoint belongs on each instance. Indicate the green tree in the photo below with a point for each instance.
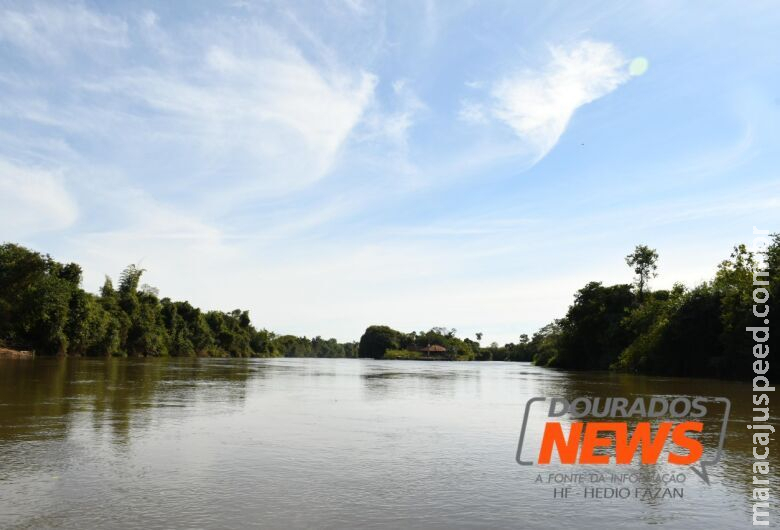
(592, 335)
(87, 325)
(292, 346)
(544, 344)
(644, 260)
(35, 293)
(377, 340)
(733, 285)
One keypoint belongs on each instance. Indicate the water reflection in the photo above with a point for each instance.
(385, 379)
(41, 398)
(331, 443)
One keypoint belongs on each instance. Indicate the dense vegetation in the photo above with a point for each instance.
(697, 331)
(377, 341)
(43, 308)
(383, 342)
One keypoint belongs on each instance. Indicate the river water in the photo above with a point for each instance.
(329, 443)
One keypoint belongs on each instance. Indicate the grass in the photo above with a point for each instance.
(418, 356)
(403, 354)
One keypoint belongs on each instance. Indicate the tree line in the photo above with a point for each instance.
(696, 332)
(685, 331)
(44, 309)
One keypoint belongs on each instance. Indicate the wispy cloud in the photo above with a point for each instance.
(51, 32)
(33, 200)
(241, 109)
(280, 119)
(395, 124)
(472, 112)
(538, 104)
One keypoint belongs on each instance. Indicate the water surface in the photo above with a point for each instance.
(327, 443)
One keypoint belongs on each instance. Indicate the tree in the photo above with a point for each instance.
(44, 308)
(544, 344)
(592, 335)
(733, 285)
(292, 346)
(128, 280)
(644, 260)
(35, 293)
(377, 340)
(262, 344)
(679, 335)
(87, 325)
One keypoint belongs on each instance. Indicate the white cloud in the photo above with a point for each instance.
(51, 31)
(176, 245)
(237, 108)
(396, 125)
(388, 126)
(149, 19)
(538, 105)
(472, 112)
(358, 6)
(33, 200)
(268, 124)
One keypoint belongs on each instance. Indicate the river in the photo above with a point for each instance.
(324, 443)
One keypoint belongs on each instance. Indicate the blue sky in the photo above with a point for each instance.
(330, 165)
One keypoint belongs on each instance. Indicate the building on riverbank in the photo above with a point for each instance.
(434, 349)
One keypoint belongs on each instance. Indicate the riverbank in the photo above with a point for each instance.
(409, 355)
(6, 353)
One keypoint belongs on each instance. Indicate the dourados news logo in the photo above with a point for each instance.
(617, 429)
